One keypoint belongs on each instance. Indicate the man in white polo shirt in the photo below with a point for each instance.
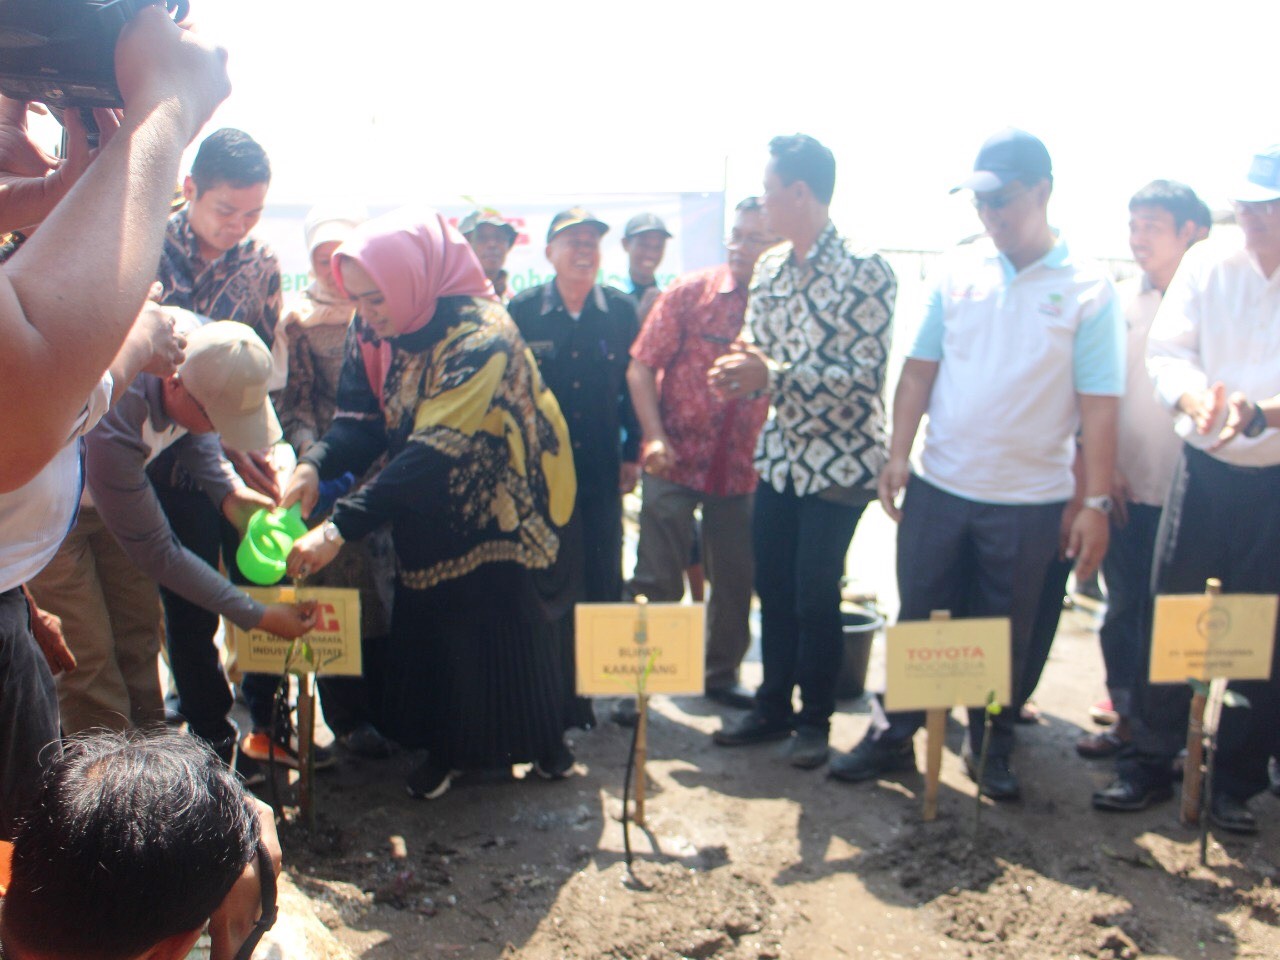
(1021, 346)
(1213, 353)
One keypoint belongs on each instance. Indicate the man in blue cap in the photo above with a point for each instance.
(1212, 355)
(1022, 346)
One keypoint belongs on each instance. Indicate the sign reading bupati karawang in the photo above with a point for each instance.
(622, 647)
(946, 663)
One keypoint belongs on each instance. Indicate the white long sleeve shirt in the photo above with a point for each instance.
(1219, 322)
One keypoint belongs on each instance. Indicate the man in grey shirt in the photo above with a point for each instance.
(219, 392)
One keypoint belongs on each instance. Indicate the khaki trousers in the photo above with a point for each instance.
(110, 614)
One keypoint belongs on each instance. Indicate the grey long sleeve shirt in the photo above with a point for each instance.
(119, 449)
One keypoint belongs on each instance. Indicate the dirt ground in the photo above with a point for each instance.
(744, 857)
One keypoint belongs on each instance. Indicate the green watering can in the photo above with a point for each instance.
(267, 541)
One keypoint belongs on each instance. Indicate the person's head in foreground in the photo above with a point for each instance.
(132, 844)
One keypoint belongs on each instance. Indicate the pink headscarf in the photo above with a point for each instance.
(415, 257)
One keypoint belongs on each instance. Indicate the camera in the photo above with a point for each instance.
(62, 52)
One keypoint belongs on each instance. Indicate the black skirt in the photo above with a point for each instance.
(476, 672)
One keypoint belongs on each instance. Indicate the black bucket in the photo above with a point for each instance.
(861, 624)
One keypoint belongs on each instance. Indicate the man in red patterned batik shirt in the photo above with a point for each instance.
(698, 449)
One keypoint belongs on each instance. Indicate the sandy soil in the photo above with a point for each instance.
(744, 857)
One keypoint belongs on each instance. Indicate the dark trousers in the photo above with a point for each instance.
(1125, 631)
(203, 691)
(28, 711)
(800, 545)
(979, 560)
(600, 514)
(1043, 629)
(1223, 522)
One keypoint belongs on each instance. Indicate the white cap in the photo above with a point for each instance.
(226, 370)
(332, 222)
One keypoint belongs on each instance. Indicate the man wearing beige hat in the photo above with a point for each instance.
(219, 392)
(491, 237)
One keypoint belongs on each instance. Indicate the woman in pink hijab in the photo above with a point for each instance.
(478, 489)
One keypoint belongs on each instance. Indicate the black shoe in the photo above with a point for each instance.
(1229, 814)
(998, 779)
(1129, 794)
(735, 695)
(753, 728)
(873, 758)
(428, 782)
(366, 741)
(557, 766)
(625, 713)
(808, 748)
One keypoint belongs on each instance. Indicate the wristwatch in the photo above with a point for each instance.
(331, 533)
(1101, 503)
(1257, 423)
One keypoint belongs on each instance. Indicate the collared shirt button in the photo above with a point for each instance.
(574, 354)
(577, 385)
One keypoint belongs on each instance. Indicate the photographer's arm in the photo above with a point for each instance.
(69, 297)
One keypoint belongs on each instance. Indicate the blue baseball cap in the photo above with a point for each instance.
(1006, 156)
(1262, 183)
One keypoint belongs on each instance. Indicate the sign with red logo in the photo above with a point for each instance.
(947, 663)
(332, 648)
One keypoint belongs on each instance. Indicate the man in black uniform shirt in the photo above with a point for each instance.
(580, 332)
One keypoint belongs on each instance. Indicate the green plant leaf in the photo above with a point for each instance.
(1198, 686)
(993, 706)
(1233, 698)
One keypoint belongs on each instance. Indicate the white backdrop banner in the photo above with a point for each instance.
(696, 220)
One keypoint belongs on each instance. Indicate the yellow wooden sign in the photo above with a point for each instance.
(1202, 637)
(334, 643)
(618, 642)
(946, 663)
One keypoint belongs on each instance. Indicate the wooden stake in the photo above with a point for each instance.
(935, 732)
(1193, 768)
(306, 737)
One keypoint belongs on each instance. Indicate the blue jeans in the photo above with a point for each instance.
(800, 545)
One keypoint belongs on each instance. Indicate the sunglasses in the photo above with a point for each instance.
(996, 201)
(1261, 208)
(267, 880)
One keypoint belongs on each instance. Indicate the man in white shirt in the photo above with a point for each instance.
(71, 296)
(1165, 219)
(1212, 353)
(1021, 345)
